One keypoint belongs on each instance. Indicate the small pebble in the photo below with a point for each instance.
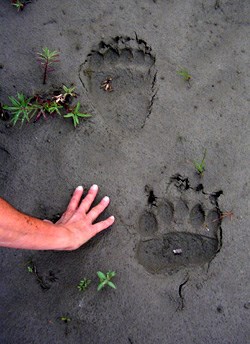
(247, 305)
(177, 251)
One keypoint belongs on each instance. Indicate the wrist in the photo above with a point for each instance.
(65, 238)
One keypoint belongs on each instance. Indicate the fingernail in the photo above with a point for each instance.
(94, 187)
(79, 187)
(112, 218)
(106, 199)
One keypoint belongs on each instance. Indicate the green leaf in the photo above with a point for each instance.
(101, 285)
(69, 115)
(111, 274)
(10, 108)
(65, 88)
(84, 115)
(111, 284)
(76, 122)
(77, 108)
(14, 120)
(48, 55)
(68, 90)
(199, 167)
(14, 101)
(101, 275)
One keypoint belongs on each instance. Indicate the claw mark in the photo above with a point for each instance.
(181, 305)
(152, 98)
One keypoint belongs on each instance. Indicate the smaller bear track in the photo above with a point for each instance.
(130, 65)
(180, 230)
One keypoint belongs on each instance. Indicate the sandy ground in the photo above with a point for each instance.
(151, 127)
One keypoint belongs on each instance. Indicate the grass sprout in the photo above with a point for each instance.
(75, 114)
(200, 166)
(183, 72)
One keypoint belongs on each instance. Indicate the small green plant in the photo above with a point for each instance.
(75, 114)
(83, 284)
(46, 107)
(200, 166)
(105, 279)
(18, 4)
(21, 109)
(65, 319)
(46, 59)
(30, 269)
(52, 107)
(184, 74)
(69, 91)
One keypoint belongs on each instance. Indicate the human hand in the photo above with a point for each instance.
(78, 218)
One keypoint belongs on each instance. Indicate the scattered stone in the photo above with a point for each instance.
(247, 305)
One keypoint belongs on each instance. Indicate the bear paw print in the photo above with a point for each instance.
(180, 230)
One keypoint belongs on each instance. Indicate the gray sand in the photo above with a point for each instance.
(149, 129)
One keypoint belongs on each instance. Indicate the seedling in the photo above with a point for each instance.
(46, 107)
(184, 74)
(21, 108)
(46, 59)
(200, 166)
(105, 280)
(30, 269)
(75, 114)
(64, 97)
(52, 107)
(18, 4)
(69, 91)
(83, 284)
(65, 319)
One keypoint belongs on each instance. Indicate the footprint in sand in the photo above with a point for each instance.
(180, 230)
(119, 77)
